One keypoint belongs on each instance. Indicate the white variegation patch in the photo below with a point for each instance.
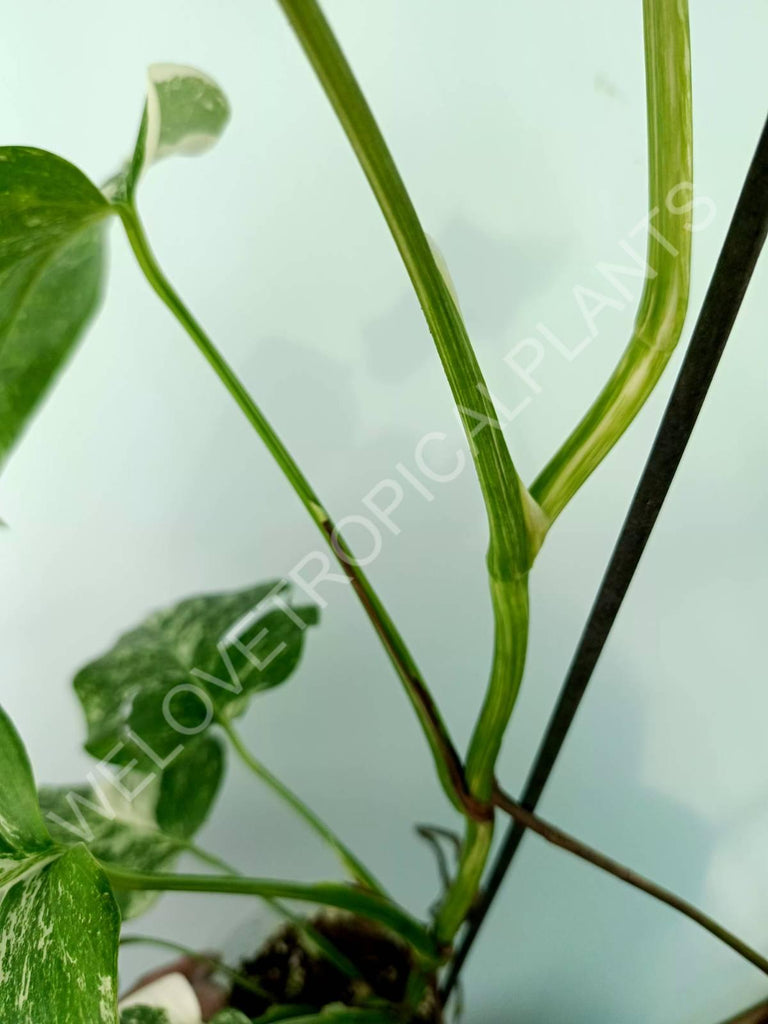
(59, 923)
(442, 266)
(59, 930)
(115, 828)
(186, 112)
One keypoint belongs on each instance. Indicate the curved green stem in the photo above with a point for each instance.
(312, 935)
(664, 301)
(510, 602)
(447, 761)
(505, 497)
(368, 905)
(514, 520)
(357, 870)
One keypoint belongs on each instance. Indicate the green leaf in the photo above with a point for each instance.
(59, 923)
(51, 270)
(184, 114)
(160, 688)
(188, 787)
(58, 955)
(144, 1015)
(141, 821)
(231, 1017)
(116, 830)
(21, 824)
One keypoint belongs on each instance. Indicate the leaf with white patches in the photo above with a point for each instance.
(51, 270)
(59, 922)
(154, 695)
(142, 822)
(59, 931)
(185, 113)
(115, 829)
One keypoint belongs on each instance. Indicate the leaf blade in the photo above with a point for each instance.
(114, 830)
(22, 829)
(214, 650)
(58, 956)
(51, 273)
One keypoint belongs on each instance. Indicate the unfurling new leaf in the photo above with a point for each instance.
(184, 114)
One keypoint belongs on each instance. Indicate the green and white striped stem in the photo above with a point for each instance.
(664, 302)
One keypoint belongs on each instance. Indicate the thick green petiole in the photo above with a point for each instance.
(506, 504)
(323, 945)
(517, 520)
(365, 904)
(510, 599)
(664, 301)
(513, 519)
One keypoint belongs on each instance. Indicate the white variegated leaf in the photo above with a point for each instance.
(59, 922)
(184, 114)
(212, 651)
(59, 933)
(139, 821)
(116, 829)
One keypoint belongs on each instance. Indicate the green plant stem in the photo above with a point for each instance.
(447, 761)
(664, 300)
(662, 311)
(514, 519)
(311, 934)
(368, 905)
(510, 548)
(357, 870)
(568, 842)
(176, 947)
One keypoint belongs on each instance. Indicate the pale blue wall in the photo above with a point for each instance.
(520, 131)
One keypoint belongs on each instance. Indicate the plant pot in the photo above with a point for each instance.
(283, 964)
